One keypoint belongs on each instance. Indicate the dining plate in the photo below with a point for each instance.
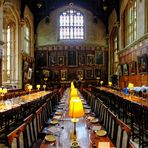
(95, 120)
(101, 132)
(50, 138)
(60, 107)
(86, 106)
(58, 113)
(54, 122)
(87, 111)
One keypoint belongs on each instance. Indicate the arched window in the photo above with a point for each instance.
(71, 25)
(26, 39)
(130, 22)
(9, 56)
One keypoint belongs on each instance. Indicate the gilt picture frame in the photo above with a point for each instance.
(132, 68)
(61, 61)
(72, 59)
(89, 74)
(125, 70)
(90, 59)
(143, 64)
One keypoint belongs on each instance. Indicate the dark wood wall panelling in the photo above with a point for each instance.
(65, 63)
(134, 65)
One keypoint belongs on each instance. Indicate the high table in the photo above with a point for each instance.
(85, 131)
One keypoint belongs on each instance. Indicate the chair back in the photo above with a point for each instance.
(111, 125)
(122, 135)
(18, 137)
(38, 119)
(30, 130)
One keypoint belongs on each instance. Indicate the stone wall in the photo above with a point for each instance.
(48, 34)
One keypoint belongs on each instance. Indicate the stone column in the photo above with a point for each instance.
(20, 51)
(1, 40)
(146, 16)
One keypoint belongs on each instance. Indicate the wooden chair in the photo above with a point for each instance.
(93, 103)
(44, 113)
(49, 108)
(104, 115)
(123, 133)
(97, 111)
(144, 138)
(30, 130)
(145, 95)
(137, 119)
(111, 125)
(20, 135)
(38, 120)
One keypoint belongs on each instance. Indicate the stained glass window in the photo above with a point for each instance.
(71, 25)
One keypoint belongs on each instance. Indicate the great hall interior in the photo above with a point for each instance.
(73, 73)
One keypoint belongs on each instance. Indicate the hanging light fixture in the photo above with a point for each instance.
(39, 4)
(104, 5)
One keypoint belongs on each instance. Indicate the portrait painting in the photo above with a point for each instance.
(63, 74)
(99, 57)
(52, 60)
(89, 74)
(143, 64)
(56, 74)
(72, 58)
(90, 59)
(82, 60)
(125, 69)
(79, 74)
(41, 58)
(61, 60)
(132, 68)
(97, 73)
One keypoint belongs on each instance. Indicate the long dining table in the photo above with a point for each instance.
(89, 133)
(136, 99)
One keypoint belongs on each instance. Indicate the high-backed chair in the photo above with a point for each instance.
(30, 130)
(44, 113)
(97, 110)
(38, 120)
(111, 125)
(18, 137)
(123, 133)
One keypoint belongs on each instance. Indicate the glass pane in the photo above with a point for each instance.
(69, 20)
